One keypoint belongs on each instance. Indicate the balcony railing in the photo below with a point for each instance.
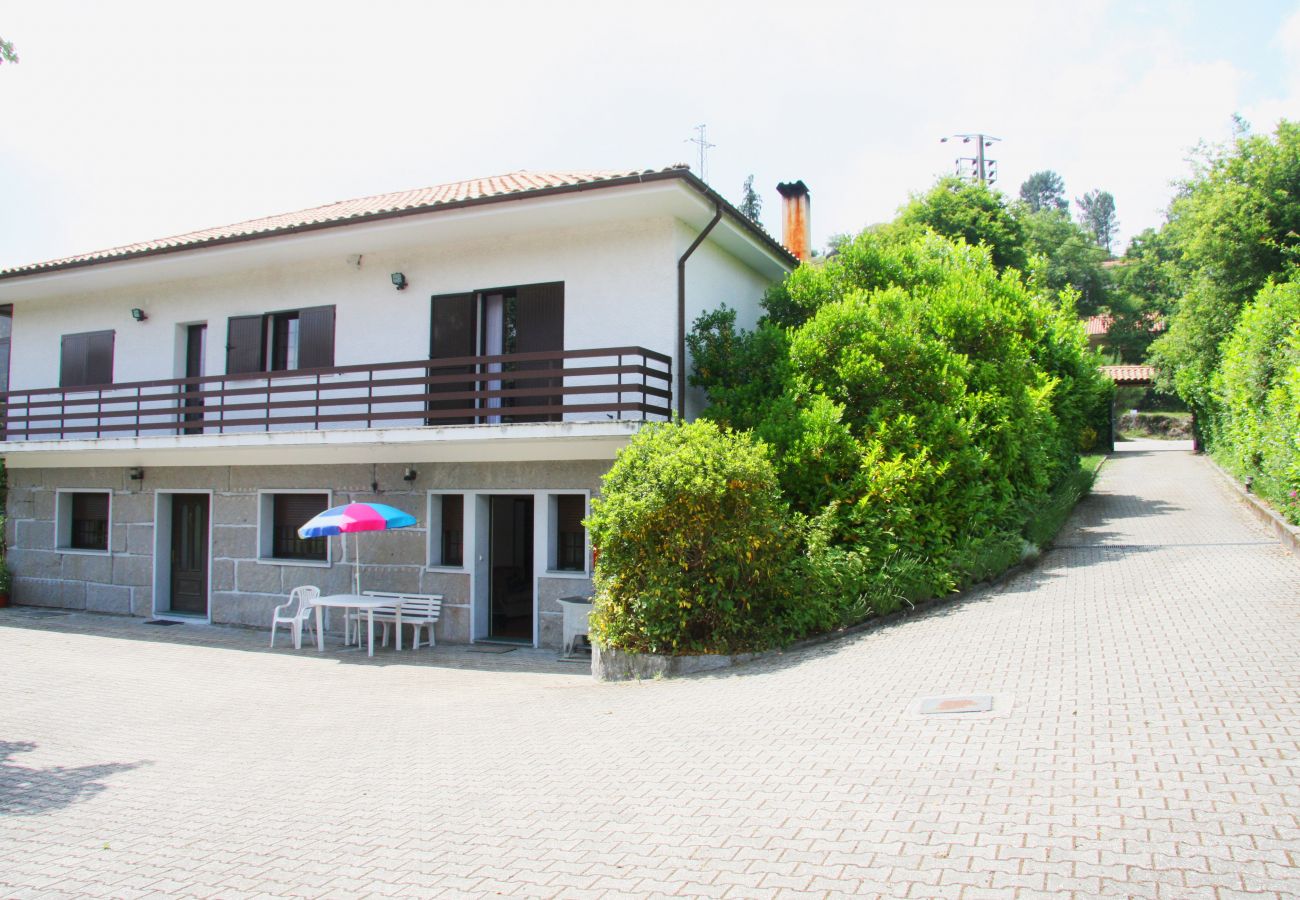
(571, 385)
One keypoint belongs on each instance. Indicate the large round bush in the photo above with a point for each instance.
(693, 544)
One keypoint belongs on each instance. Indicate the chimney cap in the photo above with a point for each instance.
(792, 189)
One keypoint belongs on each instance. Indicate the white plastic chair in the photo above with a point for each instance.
(294, 613)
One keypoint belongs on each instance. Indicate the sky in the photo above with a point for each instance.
(137, 119)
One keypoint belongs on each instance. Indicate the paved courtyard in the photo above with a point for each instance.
(1144, 742)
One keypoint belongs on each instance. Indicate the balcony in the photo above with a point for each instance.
(629, 384)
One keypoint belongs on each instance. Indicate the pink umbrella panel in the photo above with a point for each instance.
(351, 518)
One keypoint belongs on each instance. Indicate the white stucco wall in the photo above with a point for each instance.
(715, 277)
(618, 281)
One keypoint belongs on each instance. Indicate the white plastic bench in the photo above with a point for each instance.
(418, 611)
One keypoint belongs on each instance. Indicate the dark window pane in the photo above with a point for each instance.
(283, 341)
(453, 530)
(570, 538)
(89, 522)
(289, 513)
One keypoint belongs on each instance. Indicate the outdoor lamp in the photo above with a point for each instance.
(410, 474)
(138, 315)
(399, 281)
(135, 473)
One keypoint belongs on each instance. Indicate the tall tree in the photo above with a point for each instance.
(1098, 211)
(1234, 226)
(1044, 190)
(750, 203)
(973, 212)
(1067, 257)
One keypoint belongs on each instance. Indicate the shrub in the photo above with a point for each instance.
(1258, 389)
(695, 546)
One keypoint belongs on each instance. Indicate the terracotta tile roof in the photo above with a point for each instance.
(378, 206)
(1097, 325)
(1129, 374)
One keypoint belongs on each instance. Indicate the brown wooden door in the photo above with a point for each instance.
(195, 343)
(189, 576)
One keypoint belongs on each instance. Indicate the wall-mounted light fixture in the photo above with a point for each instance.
(399, 280)
(135, 473)
(138, 315)
(410, 475)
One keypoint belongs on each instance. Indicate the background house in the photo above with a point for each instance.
(473, 353)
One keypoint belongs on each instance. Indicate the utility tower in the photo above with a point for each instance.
(978, 167)
(704, 146)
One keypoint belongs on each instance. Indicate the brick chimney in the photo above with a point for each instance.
(796, 223)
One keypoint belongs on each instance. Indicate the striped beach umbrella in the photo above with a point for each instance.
(351, 518)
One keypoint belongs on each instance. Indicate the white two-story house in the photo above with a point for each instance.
(474, 354)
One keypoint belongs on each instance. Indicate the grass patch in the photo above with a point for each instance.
(1043, 525)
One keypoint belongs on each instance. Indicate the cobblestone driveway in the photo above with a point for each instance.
(1149, 671)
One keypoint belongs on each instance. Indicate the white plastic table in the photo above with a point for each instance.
(355, 601)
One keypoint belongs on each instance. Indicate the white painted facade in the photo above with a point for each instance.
(615, 250)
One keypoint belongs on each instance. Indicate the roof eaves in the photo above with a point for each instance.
(648, 175)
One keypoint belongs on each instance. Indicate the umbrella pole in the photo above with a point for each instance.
(356, 563)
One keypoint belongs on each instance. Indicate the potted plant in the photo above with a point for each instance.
(5, 580)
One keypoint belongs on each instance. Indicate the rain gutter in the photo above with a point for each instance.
(681, 310)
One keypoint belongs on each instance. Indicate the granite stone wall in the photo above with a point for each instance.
(244, 588)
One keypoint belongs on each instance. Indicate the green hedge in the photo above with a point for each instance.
(892, 431)
(1258, 388)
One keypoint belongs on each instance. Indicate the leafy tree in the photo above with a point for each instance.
(1142, 297)
(1234, 226)
(7, 54)
(1044, 190)
(750, 203)
(972, 212)
(1098, 211)
(1068, 258)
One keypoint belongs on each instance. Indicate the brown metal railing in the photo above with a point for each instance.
(606, 383)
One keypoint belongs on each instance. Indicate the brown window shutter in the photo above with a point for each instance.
(316, 337)
(539, 327)
(245, 340)
(86, 359)
(99, 357)
(539, 317)
(72, 360)
(453, 335)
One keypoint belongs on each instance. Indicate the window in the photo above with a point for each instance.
(570, 536)
(447, 530)
(82, 520)
(86, 359)
(282, 514)
(280, 341)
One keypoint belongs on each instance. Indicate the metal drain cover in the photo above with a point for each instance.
(947, 705)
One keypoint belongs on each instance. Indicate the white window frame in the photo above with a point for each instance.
(265, 514)
(433, 531)
(63, 521)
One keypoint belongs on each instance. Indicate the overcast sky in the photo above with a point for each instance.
(130, 120)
